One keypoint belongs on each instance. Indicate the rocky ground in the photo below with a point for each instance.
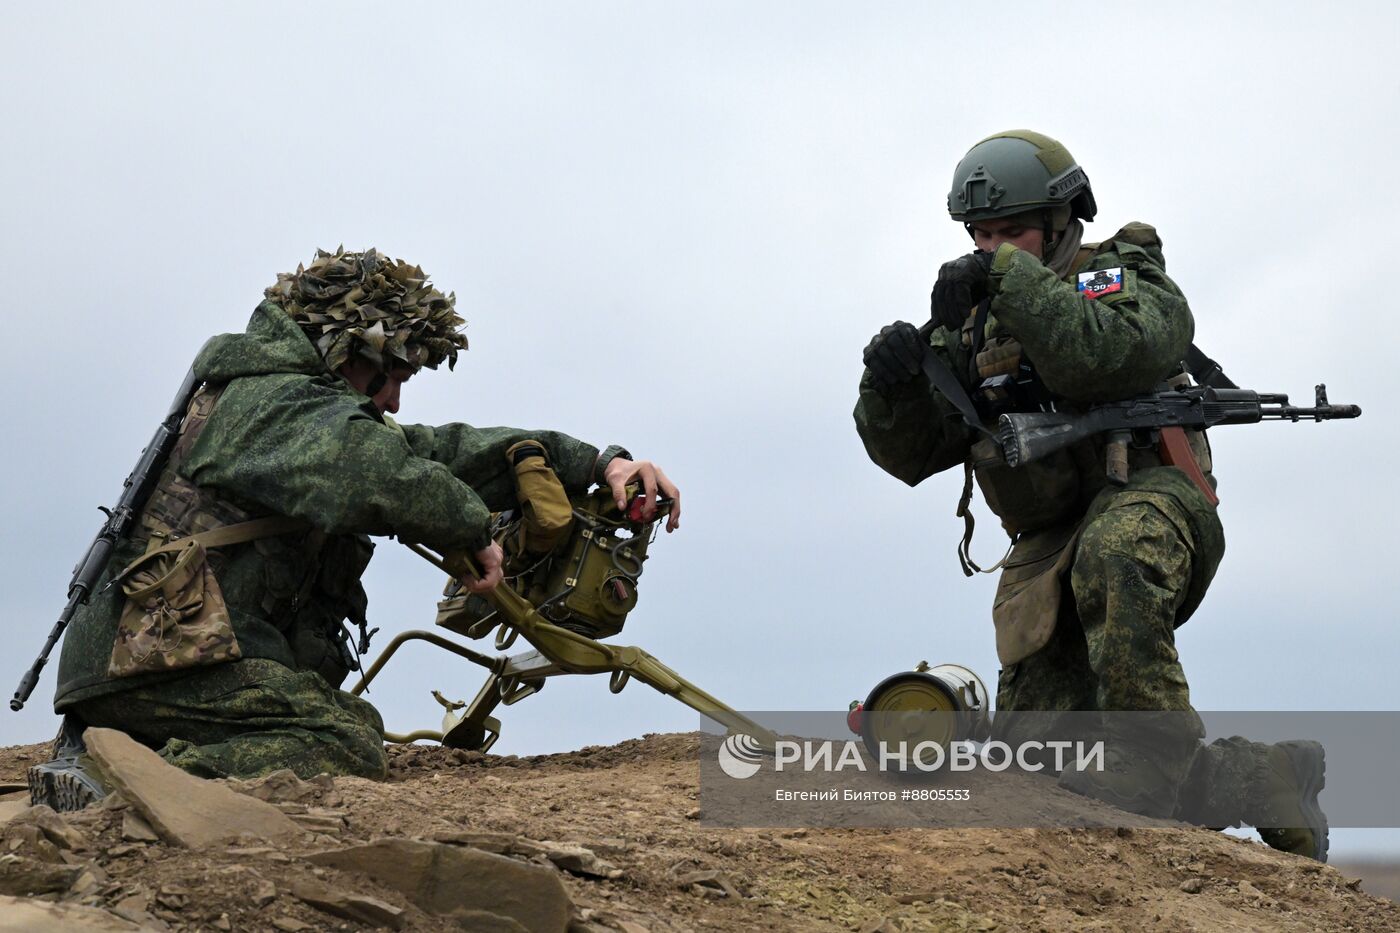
(609, 839)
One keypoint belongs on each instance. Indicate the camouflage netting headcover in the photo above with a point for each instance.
(368, 305)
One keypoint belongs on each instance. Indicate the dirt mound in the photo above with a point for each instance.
(619, 826)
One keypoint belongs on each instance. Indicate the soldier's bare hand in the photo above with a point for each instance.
(488, 562)
(655, 485)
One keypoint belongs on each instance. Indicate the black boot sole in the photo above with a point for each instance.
(61, 787)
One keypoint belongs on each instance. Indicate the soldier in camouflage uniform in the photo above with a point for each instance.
(291, 436)
(1099, 576)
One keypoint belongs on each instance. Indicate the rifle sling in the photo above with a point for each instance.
(941, 376)
(1206, 371)
(969, 566)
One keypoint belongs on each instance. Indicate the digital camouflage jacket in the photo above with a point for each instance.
(1084, 350)
(288, 437)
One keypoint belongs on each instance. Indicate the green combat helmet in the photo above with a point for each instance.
(370, 306)
(1016, 172)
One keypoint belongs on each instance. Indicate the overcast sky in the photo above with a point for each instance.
(675, 226)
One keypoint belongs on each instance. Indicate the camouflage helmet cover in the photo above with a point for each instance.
(1018, 171)
(368, 305)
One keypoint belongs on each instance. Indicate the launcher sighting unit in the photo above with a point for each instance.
(562, 602)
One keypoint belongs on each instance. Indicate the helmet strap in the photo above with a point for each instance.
(375, 384)
(1048, 226)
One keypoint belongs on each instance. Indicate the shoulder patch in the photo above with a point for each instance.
(1099, 282)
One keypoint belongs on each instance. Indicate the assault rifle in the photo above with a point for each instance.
(1028, 436)
(135, 491)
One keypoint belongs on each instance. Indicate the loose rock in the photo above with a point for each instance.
(883, 925)
(264, 893)
(12, 804)
(29, 842)
(357, 907)
(136, 829)
(285, 787)
(444, 880)
(291, 925)
(578, 860)
(500, 843)
(24, 915)
(481, 921)
(183, 809)
(710, 881)
(54, 827)
(25, 876)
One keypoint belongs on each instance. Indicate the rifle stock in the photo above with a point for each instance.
(1028, 436)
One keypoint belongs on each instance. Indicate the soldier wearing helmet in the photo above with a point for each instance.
(288, 452)
(1098, 575)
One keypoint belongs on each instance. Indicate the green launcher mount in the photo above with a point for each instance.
(561, 603)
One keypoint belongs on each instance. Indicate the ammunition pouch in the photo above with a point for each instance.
(175, 616)
(1001, 356)
(587, 582)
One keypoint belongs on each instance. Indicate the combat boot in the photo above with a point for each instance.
(71, 780)
(1128, 781)
(1146, 758)
(1283, 806)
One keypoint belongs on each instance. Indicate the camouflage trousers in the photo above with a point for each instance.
(1114, 649)
(247, 718)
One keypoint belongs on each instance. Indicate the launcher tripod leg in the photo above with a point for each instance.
(490, 728)
(573, 653)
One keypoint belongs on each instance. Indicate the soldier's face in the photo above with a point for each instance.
(989, 234)
(362, 373)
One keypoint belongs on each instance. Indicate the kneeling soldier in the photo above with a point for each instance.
(1099, 575)
(224, 640)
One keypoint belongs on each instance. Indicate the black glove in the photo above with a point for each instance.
(896, 354)
(961, 284)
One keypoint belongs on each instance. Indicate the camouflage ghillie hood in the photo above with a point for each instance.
(368, 305)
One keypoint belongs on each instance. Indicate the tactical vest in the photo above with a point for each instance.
(179, 508)
(1059, 487)
(1042, 504)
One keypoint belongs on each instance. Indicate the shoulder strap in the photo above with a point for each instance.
(1080, 258)
(236, 534)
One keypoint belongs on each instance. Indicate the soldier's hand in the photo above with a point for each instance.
(895, 355)
(488, 562)
(961, 284)
(621, 471)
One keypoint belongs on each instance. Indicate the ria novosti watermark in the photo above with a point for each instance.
(1030, 769)
(742, 756)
